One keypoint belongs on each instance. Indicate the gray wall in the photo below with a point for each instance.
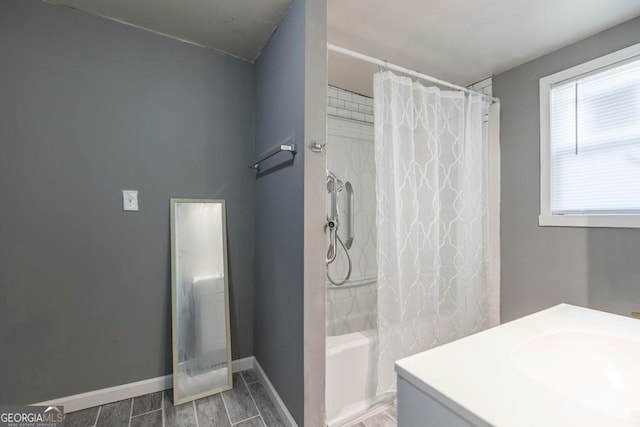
(89, 107)
(279, 293)
(544, 266)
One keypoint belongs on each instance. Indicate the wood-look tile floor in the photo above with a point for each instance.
(246, 405)
(385, 417)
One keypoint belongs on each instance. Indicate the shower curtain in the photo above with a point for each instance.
(435, 281)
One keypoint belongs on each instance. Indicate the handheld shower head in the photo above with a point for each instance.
(333, 183)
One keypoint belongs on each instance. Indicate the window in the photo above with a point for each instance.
(590, 143)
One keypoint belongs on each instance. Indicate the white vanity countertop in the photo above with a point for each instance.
(564, 366)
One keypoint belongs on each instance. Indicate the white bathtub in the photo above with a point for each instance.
(351, 376)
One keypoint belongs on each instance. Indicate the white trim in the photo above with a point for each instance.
(608, 221)
(545, 143)
(546, 218)
(285, 415)
(494, 174)
(152, 385)
(594, 64)
(244, 364)
(103, 396)
(315, 188)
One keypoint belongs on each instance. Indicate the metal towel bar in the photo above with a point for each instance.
(291, 148)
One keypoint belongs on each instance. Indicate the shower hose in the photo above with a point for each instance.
(346, 251)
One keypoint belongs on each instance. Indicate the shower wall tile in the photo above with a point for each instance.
(357, 116)
(366, 109)
(350, 155)
(349, 105)
(344, 113)
(358, 99)
(346, 95)
(335, 102)
(352, 313)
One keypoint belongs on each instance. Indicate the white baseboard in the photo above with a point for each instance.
(243, 364)
(90, 399)
(284, 413)
(152, 385)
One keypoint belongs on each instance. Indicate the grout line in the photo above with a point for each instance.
(162, 407)
(98, 414)
(252, 399)
(195, 413)
(352, 92)
(245, 380)
(389, 416)
(225, 408)
(131, 412)
(247, 419)
(349, 118)
(144, 413)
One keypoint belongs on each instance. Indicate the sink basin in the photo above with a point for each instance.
(564, 366)
(596, 370)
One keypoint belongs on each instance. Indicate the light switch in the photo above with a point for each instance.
(129, 200)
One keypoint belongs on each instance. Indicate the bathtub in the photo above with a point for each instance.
(351, 377)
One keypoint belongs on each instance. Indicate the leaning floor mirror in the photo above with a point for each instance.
(200, 299)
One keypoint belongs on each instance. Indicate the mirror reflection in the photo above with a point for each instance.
(201, 343)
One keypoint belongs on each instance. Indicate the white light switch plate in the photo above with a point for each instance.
(129, 200)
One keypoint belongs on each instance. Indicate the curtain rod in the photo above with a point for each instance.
(404, 70)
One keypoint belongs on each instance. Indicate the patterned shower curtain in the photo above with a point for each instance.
(435, 283)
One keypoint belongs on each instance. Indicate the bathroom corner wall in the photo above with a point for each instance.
(544, 266)
(290, 213)
(279, 292)
(89, 107)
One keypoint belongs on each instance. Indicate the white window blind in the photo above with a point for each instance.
(595, 142)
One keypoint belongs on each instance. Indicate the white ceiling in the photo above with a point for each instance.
(238, 27)
(462, 41)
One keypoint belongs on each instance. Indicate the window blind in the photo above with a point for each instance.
(595, 142)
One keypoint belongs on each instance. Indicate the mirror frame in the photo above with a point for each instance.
(174, 309)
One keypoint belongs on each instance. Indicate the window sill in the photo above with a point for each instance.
(608, 221)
